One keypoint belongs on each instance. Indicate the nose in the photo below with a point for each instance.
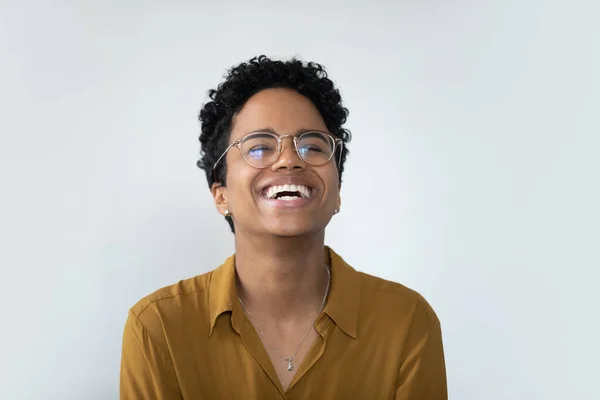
(288, 157)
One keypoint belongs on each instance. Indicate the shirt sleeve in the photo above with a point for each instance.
(422, 375)
(146, 369)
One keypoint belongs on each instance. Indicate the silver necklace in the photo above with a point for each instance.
(290, 360)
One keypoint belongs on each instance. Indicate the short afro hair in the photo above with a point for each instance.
(248, 78)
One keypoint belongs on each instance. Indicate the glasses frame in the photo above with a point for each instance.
(338, 144)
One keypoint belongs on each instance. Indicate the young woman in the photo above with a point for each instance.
(284, 317)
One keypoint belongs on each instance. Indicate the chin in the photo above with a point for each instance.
(292, 230)
(289, 233)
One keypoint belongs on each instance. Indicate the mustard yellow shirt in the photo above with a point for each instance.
(192, 340)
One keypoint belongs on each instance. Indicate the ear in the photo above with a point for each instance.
(339, 199)
(219, 193)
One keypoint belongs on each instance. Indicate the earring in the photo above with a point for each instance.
(227, 213)
(336, 211)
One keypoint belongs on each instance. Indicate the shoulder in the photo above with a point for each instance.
(171, 308)
(394, 300)
(174, 294)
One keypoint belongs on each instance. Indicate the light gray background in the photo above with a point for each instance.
(473, 175)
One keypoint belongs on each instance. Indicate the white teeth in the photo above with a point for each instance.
(272, 191)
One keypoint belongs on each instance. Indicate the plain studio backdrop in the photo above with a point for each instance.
(472, 177)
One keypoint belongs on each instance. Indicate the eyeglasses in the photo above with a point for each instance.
(262, 149)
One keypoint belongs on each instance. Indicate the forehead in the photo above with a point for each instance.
(283, 110)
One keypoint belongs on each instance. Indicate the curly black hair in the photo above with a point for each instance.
(259, 73)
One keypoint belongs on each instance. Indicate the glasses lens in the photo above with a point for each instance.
(315, 148)
(259, 149)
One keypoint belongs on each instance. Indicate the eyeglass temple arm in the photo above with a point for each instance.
(340, 143)
(220, 158)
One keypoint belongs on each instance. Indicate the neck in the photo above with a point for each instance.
(281, 279)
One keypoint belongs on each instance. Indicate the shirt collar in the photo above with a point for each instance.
(222, 293)
(342, 303)
(344, 294)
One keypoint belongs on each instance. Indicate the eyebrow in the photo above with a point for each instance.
(297, 133)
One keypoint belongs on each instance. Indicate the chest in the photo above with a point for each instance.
(289, 364)
(328, 365)
(332, 366)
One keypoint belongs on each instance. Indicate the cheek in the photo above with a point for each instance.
(331, 180)
(240, 181)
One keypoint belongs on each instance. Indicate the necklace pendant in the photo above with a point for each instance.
(290, 366)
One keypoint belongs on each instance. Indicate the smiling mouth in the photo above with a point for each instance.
(287, 192)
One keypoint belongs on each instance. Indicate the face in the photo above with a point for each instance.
(249, 192)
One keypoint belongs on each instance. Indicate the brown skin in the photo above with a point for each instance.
(279, 252)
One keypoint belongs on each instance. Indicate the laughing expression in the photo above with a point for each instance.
(290, 197)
